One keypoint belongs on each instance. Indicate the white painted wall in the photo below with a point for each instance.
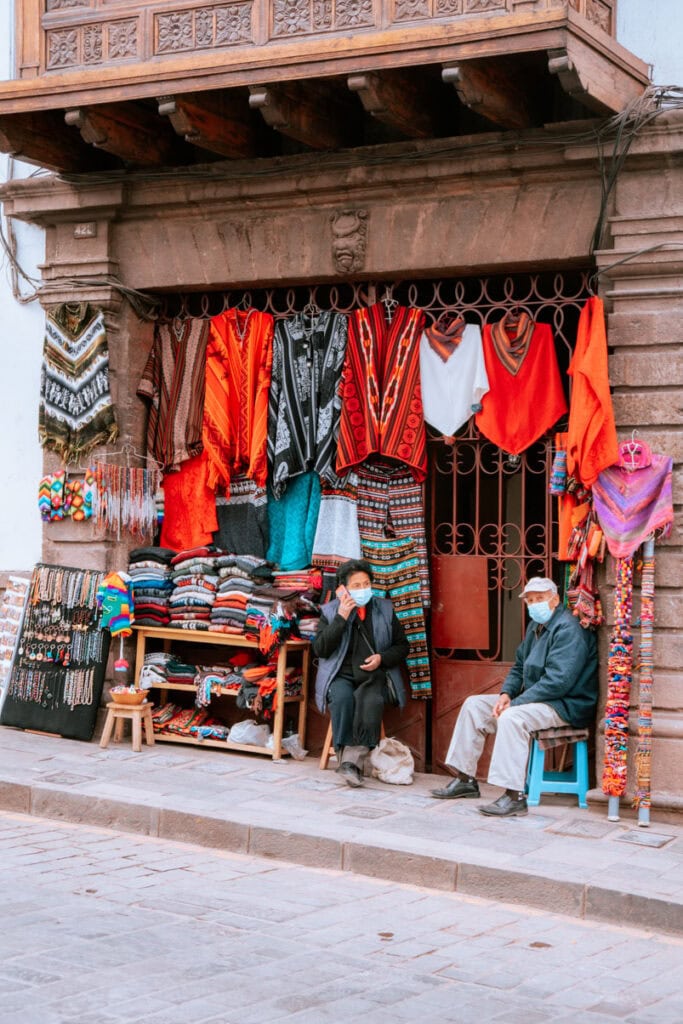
(21, 337)
(653, 30)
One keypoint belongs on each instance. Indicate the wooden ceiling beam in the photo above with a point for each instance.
(220, 122)
(40, 138)
(494, 90)
(398, 100)
(131, 132)
(310, 112)
(582, 78)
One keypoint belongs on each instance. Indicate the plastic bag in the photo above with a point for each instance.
(292, 745)
(392, 762)
(249, 731)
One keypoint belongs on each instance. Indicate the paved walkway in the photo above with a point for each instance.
(558, 856)
(104, 927)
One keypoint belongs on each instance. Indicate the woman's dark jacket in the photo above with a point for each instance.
(332, 640)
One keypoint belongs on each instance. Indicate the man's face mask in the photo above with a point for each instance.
(362, 596)
(540, 611)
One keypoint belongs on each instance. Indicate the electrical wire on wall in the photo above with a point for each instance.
(8, 244)
(618, 132)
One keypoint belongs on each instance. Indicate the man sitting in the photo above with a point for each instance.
(553, 682)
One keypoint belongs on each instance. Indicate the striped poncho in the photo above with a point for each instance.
(75, 412)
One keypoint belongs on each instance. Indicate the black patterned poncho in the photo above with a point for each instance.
(304, 406)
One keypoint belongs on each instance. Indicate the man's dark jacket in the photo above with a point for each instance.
(557, 664)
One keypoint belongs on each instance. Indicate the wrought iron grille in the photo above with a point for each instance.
(479, 501)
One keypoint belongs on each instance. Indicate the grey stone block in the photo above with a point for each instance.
(499, 884)
(312, 851)
(204, 831)
(14, 796)
(87, 810)
(627, 908)
(400, 866)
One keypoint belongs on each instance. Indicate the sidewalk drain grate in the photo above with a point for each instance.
(67, 778)
(365, 812)
(655, 839)
(582, 829)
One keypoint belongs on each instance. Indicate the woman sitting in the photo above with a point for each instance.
(359, 643)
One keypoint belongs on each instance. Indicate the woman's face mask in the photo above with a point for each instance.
(540, 611)
(361, 596)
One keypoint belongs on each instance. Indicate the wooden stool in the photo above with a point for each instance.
(327, 746)
(137, 714)
(574, 781)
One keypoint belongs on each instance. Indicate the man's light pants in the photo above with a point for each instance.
(511, 747)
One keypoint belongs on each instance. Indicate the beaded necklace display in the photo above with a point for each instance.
(125, 499)
(60, 645)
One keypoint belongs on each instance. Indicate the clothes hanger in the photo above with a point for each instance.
(389, 302)
(634, 454)
(128, 450)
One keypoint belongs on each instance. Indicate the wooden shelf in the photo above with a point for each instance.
(169, 636)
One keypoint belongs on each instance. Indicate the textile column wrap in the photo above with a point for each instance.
(646, 665)
(620, 667)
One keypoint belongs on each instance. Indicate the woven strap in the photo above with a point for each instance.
(558, 736)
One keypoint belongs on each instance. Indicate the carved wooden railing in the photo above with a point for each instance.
(65, 35)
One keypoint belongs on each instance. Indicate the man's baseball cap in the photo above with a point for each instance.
(539, 584)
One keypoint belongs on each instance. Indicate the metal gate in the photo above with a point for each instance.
(489, 515)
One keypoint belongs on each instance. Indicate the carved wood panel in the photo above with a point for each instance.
(86, 33)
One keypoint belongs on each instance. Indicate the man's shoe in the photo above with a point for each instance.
(457, 788)
(351, 775)
(505, 807)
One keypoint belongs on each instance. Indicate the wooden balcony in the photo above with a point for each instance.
(135, 83)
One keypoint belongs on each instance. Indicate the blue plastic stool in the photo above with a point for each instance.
(539, 780)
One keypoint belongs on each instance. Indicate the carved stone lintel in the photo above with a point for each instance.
(349, 240)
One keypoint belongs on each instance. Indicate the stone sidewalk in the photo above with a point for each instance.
(558, 858)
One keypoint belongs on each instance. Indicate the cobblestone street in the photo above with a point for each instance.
(102, 927)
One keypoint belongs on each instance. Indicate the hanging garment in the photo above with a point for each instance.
(395, 571)
(75, 412)
(390, 504)
(304, 405)
(380, 391)
(115, 599)
(189, 506)
(292, 521)
(591, 435)
(238, 367)
(525, 397)
(173, 384)
(453, 375)
(243, 519)
(632, 504)
(337, 539)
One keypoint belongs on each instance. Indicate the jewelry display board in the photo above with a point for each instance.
(58, 671)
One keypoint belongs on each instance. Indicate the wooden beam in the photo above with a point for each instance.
(42, 138)
(584, 76)
(220, 122)
(399, 100)
(312, 112)
(493, 90)
(129, 131)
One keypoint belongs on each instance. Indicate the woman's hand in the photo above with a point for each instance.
(501, 705)
(372, 663)
(346, 602)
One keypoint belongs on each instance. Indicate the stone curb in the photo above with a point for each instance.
(562, 896)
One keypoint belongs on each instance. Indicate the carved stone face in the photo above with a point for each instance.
(349, 229)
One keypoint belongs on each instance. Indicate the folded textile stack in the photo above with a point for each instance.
(149, 569)
(238, 577)
(215, 679)
(300, 580)
(195, 581)
(153, 671)
(179, 672)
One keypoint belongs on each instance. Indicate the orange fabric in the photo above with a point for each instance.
(239, 359)
(592, 436)
(521, 406)
(361, 613)
(189, 507)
